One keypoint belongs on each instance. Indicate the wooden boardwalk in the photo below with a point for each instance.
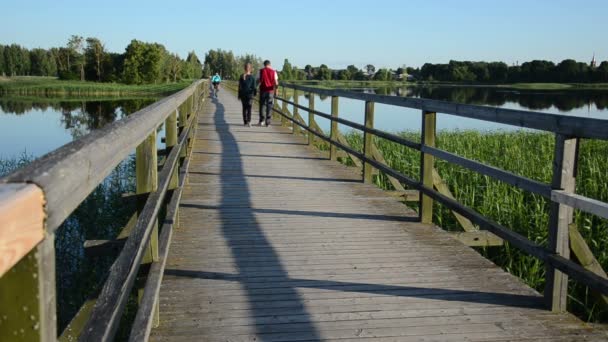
(277, 243)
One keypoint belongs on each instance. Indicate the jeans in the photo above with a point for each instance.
(247, 102)
(266, 100)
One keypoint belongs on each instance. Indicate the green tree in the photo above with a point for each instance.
(95, 55)
(352, 71)
(2, 63)
(309, 71)
(286, 72)
(371, 70)
(383, 75)
(41, 63)
(323, 73)
(75, 57)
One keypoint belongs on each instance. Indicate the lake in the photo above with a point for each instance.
(36, 127)
(583, 103)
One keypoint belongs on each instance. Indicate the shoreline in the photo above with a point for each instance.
(51, 87)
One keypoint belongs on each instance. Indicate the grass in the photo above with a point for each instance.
(49, 86)
(525, 153)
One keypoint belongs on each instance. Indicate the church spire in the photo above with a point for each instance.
(593, 62)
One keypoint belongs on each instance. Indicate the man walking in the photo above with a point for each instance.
(269, 82)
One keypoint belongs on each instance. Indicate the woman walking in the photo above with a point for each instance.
(246, 93)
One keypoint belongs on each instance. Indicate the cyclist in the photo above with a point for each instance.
(215, 80)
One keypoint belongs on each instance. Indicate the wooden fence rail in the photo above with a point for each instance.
(52, 187)
(568, 130)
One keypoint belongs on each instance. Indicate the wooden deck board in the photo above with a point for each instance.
(278, 243)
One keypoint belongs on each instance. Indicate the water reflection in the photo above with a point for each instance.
(39, 126)
(562, 100)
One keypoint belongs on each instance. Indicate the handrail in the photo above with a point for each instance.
(580, 127)
(560, 193)
(64, 178)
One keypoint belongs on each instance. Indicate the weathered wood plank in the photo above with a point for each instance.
(22, 222)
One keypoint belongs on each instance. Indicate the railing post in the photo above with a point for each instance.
(311, 117)
(560, 218)
(170, 142)
(27, 296)
(295, 111)
(427, 163)
(183, 118)
(367, 141)
(146, 169)
(283, 106)
(333, 152)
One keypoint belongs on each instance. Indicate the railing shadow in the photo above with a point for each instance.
(232, 172)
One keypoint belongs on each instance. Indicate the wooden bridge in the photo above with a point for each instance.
(265, 238)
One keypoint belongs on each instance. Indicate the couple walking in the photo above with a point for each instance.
(268, 81)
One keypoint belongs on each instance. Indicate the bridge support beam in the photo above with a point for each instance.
(146, 171)
(311, 117)
(427, 164)
(27, 296)
(560, 218)
(368, 141)
(333, 152)
(296, 99)
(170, 142)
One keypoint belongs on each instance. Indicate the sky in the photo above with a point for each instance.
(385, 33)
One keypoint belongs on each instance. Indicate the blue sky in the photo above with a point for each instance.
(386, 33)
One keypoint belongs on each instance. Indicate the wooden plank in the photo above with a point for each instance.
(494, 172)
(27, 294)
(560, 218)
(22, 222)
(562, 124)
(427, 164)
(479, 238)
(585, 257)
(147, 182)
(104, 320)
(444, 189)
(333, 152)
(69, 174)
(406, 195)
(368, 142)
(377, 155)
(171, 135)
(588, 205)
(311, 117)
(144, 321)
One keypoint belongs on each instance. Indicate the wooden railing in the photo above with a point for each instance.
(560, 193)
(36, 199)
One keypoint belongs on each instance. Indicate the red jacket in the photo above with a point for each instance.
(268, 80)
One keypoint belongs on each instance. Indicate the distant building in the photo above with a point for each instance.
(593, 63)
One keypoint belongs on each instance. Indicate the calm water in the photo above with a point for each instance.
(38, 127)
(589, 104)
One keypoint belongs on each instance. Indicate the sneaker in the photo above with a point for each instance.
(249, 124)
(262, 124)
(267, 123)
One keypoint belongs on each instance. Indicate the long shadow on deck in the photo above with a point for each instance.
(232, 168)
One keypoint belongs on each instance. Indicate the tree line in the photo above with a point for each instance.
(227, 64)
(88, 59)
(567, 71)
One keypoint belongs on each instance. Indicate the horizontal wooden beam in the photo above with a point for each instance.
(21, 222)
(405, 195)
(580, 202)
(562, 124)
(480, 238)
